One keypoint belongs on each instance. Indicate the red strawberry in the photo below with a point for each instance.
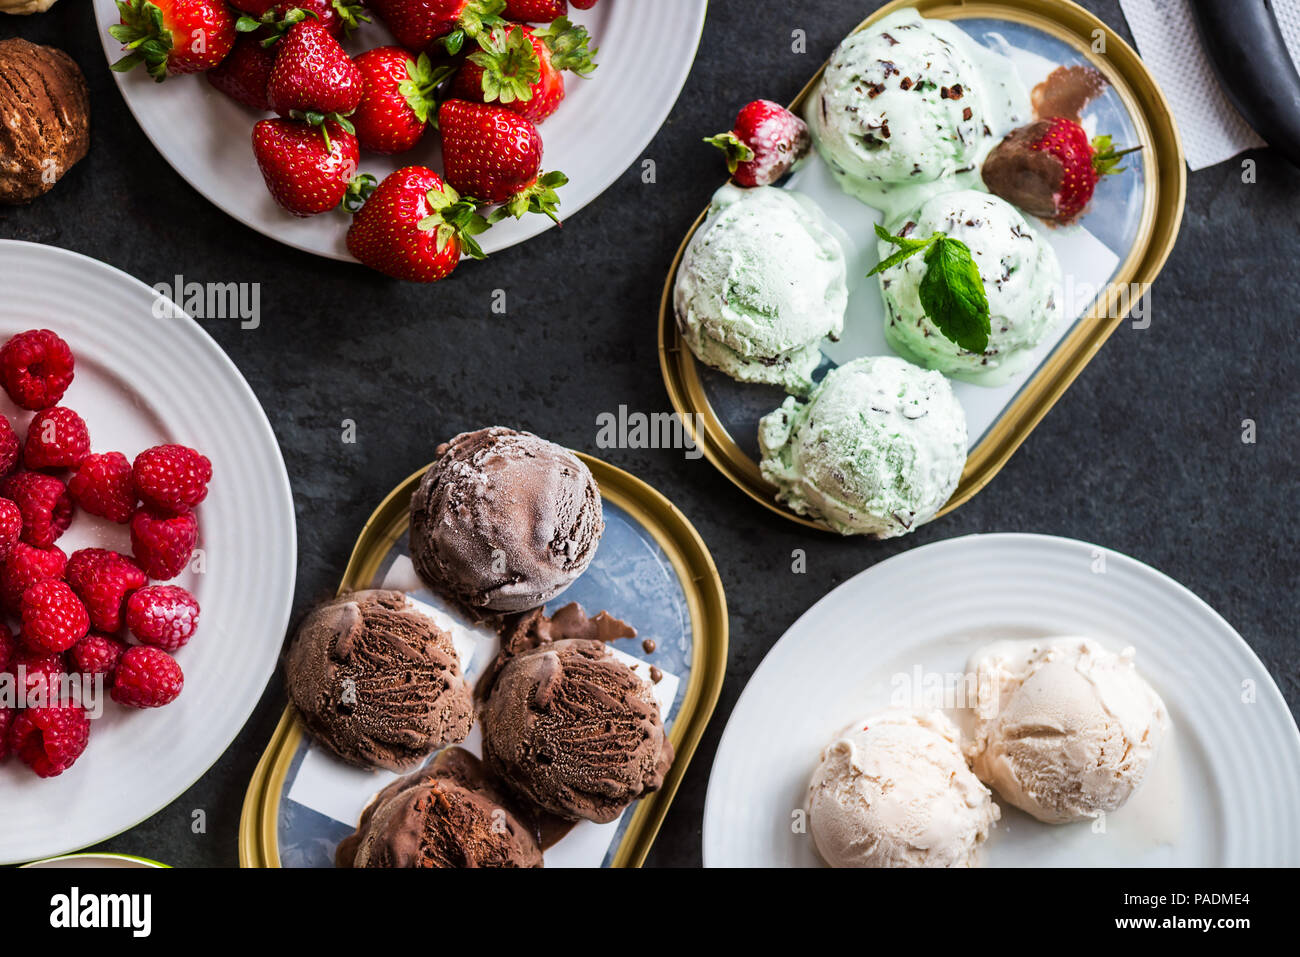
(36, 368)
(44, 503)
(417, 23)
(312, 74)
(584, 4)
(765, 142)
(243, 75)
(9, 447)
(1049, 168)
(415, 227)
(396, 100)
(57, 438)
(49, 740)
(172, 478)
(165, 616)
(103, 580)
(54, 619)
(494, 155)
(163, 544)
(25, 566)
(536, 11)
(147, 678)
(337, 16)
(96, 654)
(11, 528)
(103, 486)
(307, 168)
(520, 67)
(254, 8)
(171, 37)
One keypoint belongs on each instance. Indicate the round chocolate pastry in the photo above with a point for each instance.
(575, 731)
(446, 815)
(504, 521)
(46, 111)
(378, 682)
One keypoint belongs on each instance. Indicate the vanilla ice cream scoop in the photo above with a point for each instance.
(894, 790)
(1064, 729)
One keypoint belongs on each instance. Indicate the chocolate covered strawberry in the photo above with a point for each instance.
(397, 98)
(172, 37)
(766, 141)
(522, 68)
(418, 23)
(313, 74)
(1050, 169)
(495, 155)
(308, 168)
(415, 227)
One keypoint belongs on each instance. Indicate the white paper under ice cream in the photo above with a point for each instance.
(340, 791)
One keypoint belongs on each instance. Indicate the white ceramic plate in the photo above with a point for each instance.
(140, 381)
(646, 51)
(1224, 795)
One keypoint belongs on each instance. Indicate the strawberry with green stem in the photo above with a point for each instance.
(309, 168)
(173, 37)
(522, 67)
(414, 226)
(340, 17)
(244, 74)
(417, 24)
(398, 98)
(313, 74)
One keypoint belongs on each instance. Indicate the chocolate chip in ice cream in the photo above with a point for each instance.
(376, 681)
(504, 521)
(44, 118)
(449, 814)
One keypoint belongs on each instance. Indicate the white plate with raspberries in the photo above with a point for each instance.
(644, 53)
(154, 470)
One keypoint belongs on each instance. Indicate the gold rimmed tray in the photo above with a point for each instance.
(1157, 215)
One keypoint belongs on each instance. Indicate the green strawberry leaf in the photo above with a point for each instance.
(735, 149)
(952, 294)
(420, 87)
(510, 65)
(1105, 156)
(569, 45)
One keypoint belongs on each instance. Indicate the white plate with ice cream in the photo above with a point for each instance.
(1219, 790)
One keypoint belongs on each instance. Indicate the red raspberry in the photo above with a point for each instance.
(40, 674)
(49, 740)
(36, 368)
(54, 619)
(44, 503)
(172, 478)
(26, 565)
(162, 544)
(11, 526)
(103, 486)
(147, 678)
(8, 647)
(6, 720)
(96, 654)
(164, 616)
(57, 438)
(102, 580)
(9, 447)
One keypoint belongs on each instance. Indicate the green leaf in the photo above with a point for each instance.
(952, 294)
(908, 248)
(569, 46)
(736, 150)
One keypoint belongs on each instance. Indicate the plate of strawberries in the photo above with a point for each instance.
(147, 551)
(404, 134)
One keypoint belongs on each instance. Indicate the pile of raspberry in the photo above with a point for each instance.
(78, 613)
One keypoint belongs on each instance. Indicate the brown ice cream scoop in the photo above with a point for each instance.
(44, 118)
(377, 682)
(449, 814)
(504, 521)
(574, 731)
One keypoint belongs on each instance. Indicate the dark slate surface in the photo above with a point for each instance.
(1143, 455)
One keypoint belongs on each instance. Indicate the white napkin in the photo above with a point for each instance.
(1167, 38)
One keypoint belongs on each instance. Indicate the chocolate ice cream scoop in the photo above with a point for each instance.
(449, 814)
(575, 731)
(377, 682)
(504, 521)
(46, 118)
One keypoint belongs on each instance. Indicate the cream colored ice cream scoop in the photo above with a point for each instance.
(893, 790)
(1064, 729)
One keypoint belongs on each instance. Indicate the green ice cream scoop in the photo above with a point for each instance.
(760, 285)
(876, 450)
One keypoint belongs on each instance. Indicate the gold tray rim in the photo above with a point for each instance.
(710, 626)
(1166, 172)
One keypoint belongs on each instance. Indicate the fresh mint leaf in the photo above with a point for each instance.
(952, 294)
(908, 247)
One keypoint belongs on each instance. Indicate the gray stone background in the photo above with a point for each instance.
(1142, 455)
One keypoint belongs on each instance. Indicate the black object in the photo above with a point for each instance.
(1248, 53)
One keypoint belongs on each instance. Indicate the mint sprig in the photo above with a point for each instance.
(951, 291)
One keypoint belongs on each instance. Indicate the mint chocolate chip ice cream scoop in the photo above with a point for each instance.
(876, 450)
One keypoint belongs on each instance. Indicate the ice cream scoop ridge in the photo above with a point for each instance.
(504, 521)
(760, 285)
(894, 790)
(377, 682)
